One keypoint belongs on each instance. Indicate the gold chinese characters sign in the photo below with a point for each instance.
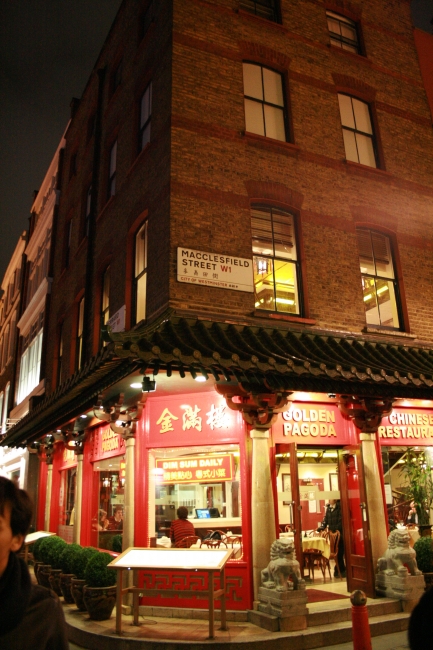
(195, 469)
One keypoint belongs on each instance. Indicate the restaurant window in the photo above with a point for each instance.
(145, 117)
(275, 260)
(108, 520)
(105, 299)
(140, 274)
(379, 284)
(67, 495)
(205, 480)
(112, 168)
(263, 8)
(80, 335)
(264, 102)
(343, 32)
(358, 135)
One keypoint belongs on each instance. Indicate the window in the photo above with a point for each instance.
(112, 171)
(116, 78)
(87, 209)
(105, 299)
(275, 262)
(91, 126)
(5, 346)
(358, 136)
(146, 20)
(264, 102)
(80, 335)
(68, 239)
(5, 409)
(140, 274)
(30, 364)
(1, 410)
(379, 284)
(343, 32)
(264, 8)
(73, 165)
(145, 116)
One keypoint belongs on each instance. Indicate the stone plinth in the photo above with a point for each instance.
(404, 587)
(290, 606)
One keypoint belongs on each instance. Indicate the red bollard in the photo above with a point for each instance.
(360, 626)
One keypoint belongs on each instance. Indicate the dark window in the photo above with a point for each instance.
(60, 356)
(140, 274)
(358, 135)
(264, 8)
(80, 335)
(91, 126)
(264, 102)
(343, 32)
(275, 260)
(116, 78)
(112, 170)
(105, 299)
(87, 209)
(145, 117)
(73, 165)
(68, 239)
(146, 21)
(379, 284)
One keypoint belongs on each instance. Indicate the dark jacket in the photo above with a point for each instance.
(31, 617)
(332, 519)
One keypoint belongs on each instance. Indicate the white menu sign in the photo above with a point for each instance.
(214, 270)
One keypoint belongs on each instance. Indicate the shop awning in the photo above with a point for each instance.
(282, 358)
(258, 356)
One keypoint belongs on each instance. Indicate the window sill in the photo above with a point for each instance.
(355, 57)
(283, 317)
(269, 143)
(267, 21)
(385, 332)
(365, 170)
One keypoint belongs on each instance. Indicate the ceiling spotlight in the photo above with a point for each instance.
(83, 417)
(148, 385)
(136, 384)
(332, 395)
(200, 378)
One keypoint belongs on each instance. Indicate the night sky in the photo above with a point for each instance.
(47, 51)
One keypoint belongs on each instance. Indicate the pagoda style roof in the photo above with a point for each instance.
(259, 356)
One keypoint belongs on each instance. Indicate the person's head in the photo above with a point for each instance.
(15, 516)
(412, 505)
(118, 513)
(182, 512)
(421, 623)
(332, 502)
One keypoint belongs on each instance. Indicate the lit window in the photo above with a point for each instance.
(140, 274)
(264, 102)
(264, 8)
(379, 284)
(358, 135)
(112, 171)
(343, 32)
(80, 335)
(145, 117)
(275, 261)
(105, 299)
(30, 364)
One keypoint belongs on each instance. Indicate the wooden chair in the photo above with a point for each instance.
(334, 540)
(213, 543)
(313, 558)
(221, 532)
(288, 528)
(233, 541)
(186, 542)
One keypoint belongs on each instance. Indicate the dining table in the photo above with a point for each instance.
(318, 544)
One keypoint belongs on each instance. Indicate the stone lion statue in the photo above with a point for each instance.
(399, 558)
(282, 572)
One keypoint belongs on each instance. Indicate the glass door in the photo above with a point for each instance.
(356, 533)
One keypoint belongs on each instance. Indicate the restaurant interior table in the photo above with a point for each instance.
(173, 559)
(318, 544)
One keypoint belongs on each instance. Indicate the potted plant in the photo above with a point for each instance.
(116, 543)
(45, 550)
(37, 557)
(100, 590)
(54, 552)
(418, 472)
(423, 548)
(66, 558)
(78, 567)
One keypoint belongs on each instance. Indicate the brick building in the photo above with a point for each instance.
(246, 201)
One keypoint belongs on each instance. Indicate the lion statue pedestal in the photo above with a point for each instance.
(397, 574)
(282, 593)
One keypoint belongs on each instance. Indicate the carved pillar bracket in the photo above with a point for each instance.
(259, 409)
(122, 420)
(367, 413)
(47, 449)
(73, 440)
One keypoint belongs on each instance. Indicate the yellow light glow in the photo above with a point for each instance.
(367, 297)
(285, 301)
(382, 289)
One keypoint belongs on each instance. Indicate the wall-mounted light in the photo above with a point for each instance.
(106, 482)
(148, 385)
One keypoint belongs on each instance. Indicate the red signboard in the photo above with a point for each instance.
(310, 423)
(197, 418)
(195, 469)
(68, 459)
(107, 444)
(407, 427)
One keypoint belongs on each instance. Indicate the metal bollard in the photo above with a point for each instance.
(360, 626)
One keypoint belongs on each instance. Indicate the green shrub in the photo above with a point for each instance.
(424, 554)
(116, 543)
(67, 556)
(97, 574)
(36, 550)
(79, 561)
(49, 549)
(54, 552)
